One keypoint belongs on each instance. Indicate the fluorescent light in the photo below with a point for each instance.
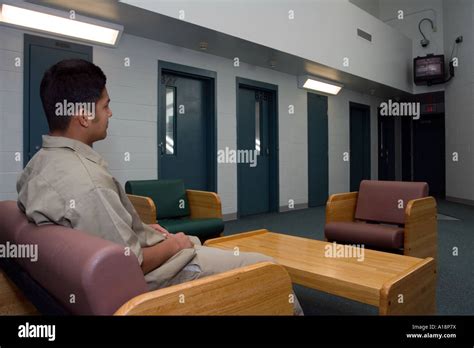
(322, 86)
(37, 19)
(319, 85)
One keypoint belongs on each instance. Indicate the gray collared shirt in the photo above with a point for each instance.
(68, 183)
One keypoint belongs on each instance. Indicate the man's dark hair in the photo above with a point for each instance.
(73, 80)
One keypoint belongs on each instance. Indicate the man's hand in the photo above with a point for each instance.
(160, 229)
(159, 253)
(182, 240)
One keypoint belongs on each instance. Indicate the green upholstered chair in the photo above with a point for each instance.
(196, 213)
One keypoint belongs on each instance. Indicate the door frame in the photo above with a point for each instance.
(209, 77)
(274, 176)
(365, 108)
(28, 41)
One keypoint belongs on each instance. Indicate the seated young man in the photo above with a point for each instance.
(68, 183)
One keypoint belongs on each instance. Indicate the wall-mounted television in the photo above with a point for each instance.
(429, 69)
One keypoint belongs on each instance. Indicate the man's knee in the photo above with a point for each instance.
(212, 260)
(251, 258)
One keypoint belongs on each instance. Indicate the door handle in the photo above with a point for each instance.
(160, 146)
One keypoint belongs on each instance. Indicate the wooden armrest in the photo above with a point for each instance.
(341, 207)
(204, 204)
(421, 228)
(12, 300)
(145, 208)
(259, 289)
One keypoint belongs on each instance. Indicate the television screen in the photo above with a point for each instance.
(429, 69)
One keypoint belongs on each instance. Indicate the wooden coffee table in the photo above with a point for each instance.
(396, 284)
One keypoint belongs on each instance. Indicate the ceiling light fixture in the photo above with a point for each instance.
(43, 19)
(319, 85)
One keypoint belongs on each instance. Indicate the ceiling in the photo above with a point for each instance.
(155, 26)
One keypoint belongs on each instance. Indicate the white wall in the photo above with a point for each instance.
(323, 31)
(11, 111)
(413, 12)
(133, 127)
(459, 96)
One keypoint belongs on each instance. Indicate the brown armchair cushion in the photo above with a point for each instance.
(371, 235)
(379, 200)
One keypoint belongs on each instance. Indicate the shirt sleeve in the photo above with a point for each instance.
(40, 202)
(100, 212)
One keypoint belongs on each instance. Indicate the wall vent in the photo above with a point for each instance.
(363, 34)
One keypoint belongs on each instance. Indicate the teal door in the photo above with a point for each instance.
(254, 141)
(185, 131)
(359, 144)
(317, 150)
(40, 54)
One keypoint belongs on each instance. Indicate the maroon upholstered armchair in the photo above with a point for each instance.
(391, 216)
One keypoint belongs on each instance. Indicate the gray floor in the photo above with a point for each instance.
(455, 292)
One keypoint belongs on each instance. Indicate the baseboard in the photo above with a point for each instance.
(285, 208)
(460, 200)
(229, 217)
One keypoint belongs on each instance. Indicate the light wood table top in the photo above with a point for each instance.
(307, 263)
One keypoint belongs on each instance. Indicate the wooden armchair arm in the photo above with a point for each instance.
(341, 207)
(421, 228)
(260, 289)
(145, 208)
(204, 204)
(12, 300)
